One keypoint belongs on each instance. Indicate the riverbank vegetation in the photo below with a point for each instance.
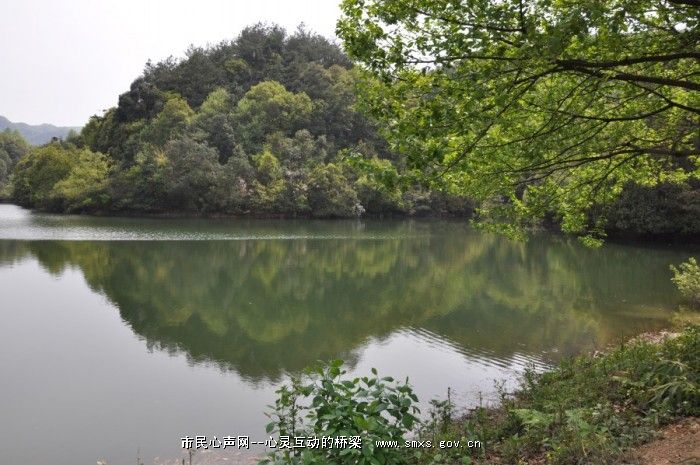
(590, 409)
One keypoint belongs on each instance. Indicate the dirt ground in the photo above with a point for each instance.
(679, 444)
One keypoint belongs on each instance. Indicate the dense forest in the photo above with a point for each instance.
(266, 124)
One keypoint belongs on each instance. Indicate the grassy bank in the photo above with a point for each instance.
(591, 409)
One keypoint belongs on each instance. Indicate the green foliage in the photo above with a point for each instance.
(12, 148)
(377, 187)
(58, 177)
(5, 169)
(663, 210)
(269, 183)
(268, 107)
(533, 108)
(190, 175)
(215, 124)
(687, 278)
(299, 152)
(84, 188)
(13, 145)
(143, 185)
(170, 123)
(323, 404)
(330, 193)
(585, 410)
(232, 193)
(36, 174)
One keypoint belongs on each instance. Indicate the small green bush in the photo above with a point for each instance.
(321, 404)
(687, 278)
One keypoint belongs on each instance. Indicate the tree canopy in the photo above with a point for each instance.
(57, 177)
(537, 106)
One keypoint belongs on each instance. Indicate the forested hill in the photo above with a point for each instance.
(36, 134)
(264, 124)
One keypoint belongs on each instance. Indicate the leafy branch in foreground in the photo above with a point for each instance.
(534, 106)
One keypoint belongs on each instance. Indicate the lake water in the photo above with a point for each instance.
(120, 336)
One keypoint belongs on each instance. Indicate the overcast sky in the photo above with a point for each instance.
(62, 61)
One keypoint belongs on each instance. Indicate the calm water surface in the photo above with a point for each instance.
(120, 336)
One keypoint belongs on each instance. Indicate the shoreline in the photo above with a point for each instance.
(241, 216)
(612, 237)
(600, 407)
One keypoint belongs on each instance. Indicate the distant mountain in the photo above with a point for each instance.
(36, 134)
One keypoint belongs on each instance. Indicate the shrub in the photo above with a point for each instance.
(321, 405)
(687, 278)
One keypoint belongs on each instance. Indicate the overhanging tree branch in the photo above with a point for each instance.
(575, 63)
(627, 77)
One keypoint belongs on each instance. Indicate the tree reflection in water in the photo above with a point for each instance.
(266, 307)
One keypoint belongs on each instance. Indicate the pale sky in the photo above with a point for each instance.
(62, 61)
